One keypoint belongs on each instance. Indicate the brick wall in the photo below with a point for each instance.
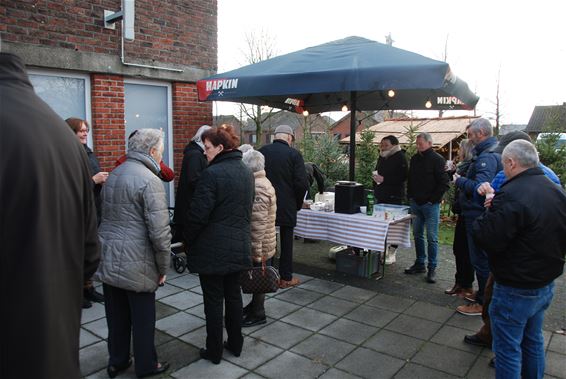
(167, 31)
(107, 102)
(188, 116)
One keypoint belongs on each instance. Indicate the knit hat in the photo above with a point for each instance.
(506, 139)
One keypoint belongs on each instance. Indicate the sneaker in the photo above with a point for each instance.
(289, 283)
(415, 269)
(390, 256)
(472, 309)
(252, 320)
(91, 294)
(431, 276)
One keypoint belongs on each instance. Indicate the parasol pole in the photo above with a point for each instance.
(353, 105)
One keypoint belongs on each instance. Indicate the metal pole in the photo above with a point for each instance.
(352, 135)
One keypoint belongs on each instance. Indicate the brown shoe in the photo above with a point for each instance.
(454, 290)
(289, 283)
(469, 295)
(472, 309)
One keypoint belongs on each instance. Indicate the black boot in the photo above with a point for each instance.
(415, 269)
(91, 294)
(256, 313)
(86, 304)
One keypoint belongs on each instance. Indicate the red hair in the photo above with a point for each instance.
(223, 135)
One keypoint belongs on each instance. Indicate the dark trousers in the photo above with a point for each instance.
(218, 290)
(478, 257)
(464, 270)
(127, 310)
(485, 331)
(286, 256)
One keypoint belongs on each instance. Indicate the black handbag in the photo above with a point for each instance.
(263, 279)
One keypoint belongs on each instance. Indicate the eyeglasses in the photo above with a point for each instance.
(83, 130)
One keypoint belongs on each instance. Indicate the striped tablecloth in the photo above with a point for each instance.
(357, 229)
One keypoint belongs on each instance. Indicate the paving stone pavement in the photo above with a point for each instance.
(330, 326)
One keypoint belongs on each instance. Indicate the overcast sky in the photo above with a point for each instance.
(526, 40)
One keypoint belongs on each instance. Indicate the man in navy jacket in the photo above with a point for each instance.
(486, 163)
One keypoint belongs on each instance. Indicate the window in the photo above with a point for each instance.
(148, 105)
(67, 94)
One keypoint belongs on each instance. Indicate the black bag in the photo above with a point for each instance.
(263, 279)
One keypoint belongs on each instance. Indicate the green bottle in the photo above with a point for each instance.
(371, 202)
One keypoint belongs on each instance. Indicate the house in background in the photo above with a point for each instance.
(83, 69)
(546, 118)
(229, 120)
(315, 124)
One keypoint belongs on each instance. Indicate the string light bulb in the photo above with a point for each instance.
(344, 108)
(391, 93)
(305, 113)
(428, 104)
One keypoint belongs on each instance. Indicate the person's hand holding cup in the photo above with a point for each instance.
(378, 179)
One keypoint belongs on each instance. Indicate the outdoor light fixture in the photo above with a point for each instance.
(344, 108)
(305, 113)
(428, 104)
(391, 93)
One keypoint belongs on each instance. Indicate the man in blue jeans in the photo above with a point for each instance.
(426, 184)
(485, 164)
(524, 235)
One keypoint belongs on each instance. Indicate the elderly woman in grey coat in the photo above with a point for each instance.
(135, 242)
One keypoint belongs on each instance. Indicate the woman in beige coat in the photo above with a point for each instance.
(264, 240)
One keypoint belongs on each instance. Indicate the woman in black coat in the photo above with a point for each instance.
(217, 230)
(194, 162)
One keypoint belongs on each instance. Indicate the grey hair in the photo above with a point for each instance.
(523, 152)
(197, 137)
(144, 140)
(426, 136)
(481, 125)
(245, 148)
(466, 147)
(254, 160)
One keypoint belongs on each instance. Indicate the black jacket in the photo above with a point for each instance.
(394, 171)
(524, 231)
(285, 169)
(48, 238)
(217, 227)
(428, 179)
(194, 162)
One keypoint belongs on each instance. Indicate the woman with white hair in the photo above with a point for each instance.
(135, 240)
(194, 161)
(264, 239)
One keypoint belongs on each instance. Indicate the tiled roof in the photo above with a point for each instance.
(545, 115)
(442, 130)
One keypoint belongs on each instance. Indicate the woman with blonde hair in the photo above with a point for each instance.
(264, 239)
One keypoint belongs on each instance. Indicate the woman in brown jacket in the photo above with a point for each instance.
(264, 239)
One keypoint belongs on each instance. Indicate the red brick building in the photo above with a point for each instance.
(82, 69)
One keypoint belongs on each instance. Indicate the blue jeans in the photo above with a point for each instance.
(427, 215)
(516, 317)
(479, 260)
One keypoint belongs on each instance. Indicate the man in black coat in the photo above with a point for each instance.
(524, 235)
(427, 183)
(194, 162)
(285, 169)
(48, 233)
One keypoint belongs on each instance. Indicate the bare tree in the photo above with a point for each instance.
(260, 45)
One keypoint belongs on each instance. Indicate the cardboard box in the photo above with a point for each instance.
(365, 264)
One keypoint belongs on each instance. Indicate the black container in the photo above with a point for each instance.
(348, 198)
